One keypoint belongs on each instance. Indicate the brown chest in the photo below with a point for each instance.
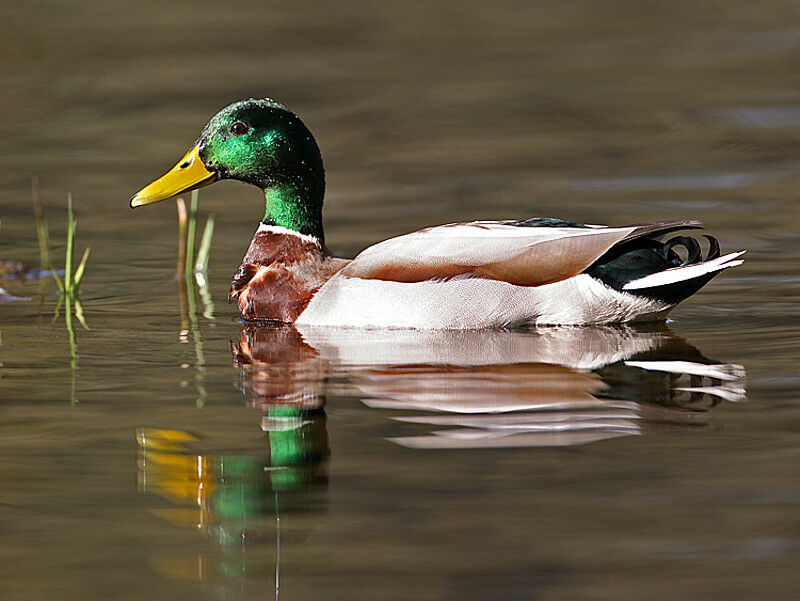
(277, 293)
(279, 276)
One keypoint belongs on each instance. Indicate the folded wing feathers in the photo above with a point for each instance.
(524, 256)
(521, 256)
(553, 260)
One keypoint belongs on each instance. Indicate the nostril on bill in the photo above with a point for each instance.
(184, 165)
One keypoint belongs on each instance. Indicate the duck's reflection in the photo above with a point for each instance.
(280, 369)
(454, 390)
(237, 499)
(555, 386)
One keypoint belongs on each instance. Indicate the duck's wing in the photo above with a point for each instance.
(524, 253)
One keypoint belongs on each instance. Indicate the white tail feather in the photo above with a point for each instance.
(721, 371)
(687, 272)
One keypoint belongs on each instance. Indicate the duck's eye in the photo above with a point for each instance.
(238, 129)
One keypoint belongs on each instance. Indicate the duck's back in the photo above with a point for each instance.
(501, 274)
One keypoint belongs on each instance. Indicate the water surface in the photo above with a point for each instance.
(171, 452)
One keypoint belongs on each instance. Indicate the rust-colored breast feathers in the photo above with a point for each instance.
(279, 276)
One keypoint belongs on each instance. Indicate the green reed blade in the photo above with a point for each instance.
(205, 246)
(205, 295)
(182, 225)
(56, 313)
(52, 269)
(190, 236)
(79, 314)
(81, 266)
(68, 286)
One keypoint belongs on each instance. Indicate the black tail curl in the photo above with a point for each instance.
(693, 250)
(645, 256)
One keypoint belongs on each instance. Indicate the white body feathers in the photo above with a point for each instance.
(493, 274)
(472, 303)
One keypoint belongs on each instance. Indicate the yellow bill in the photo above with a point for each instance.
(188, 174)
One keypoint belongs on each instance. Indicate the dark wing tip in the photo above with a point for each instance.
(659, 228)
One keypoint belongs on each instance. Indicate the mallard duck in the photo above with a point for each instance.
(482, 274)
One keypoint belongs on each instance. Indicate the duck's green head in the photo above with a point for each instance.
(259, 142)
